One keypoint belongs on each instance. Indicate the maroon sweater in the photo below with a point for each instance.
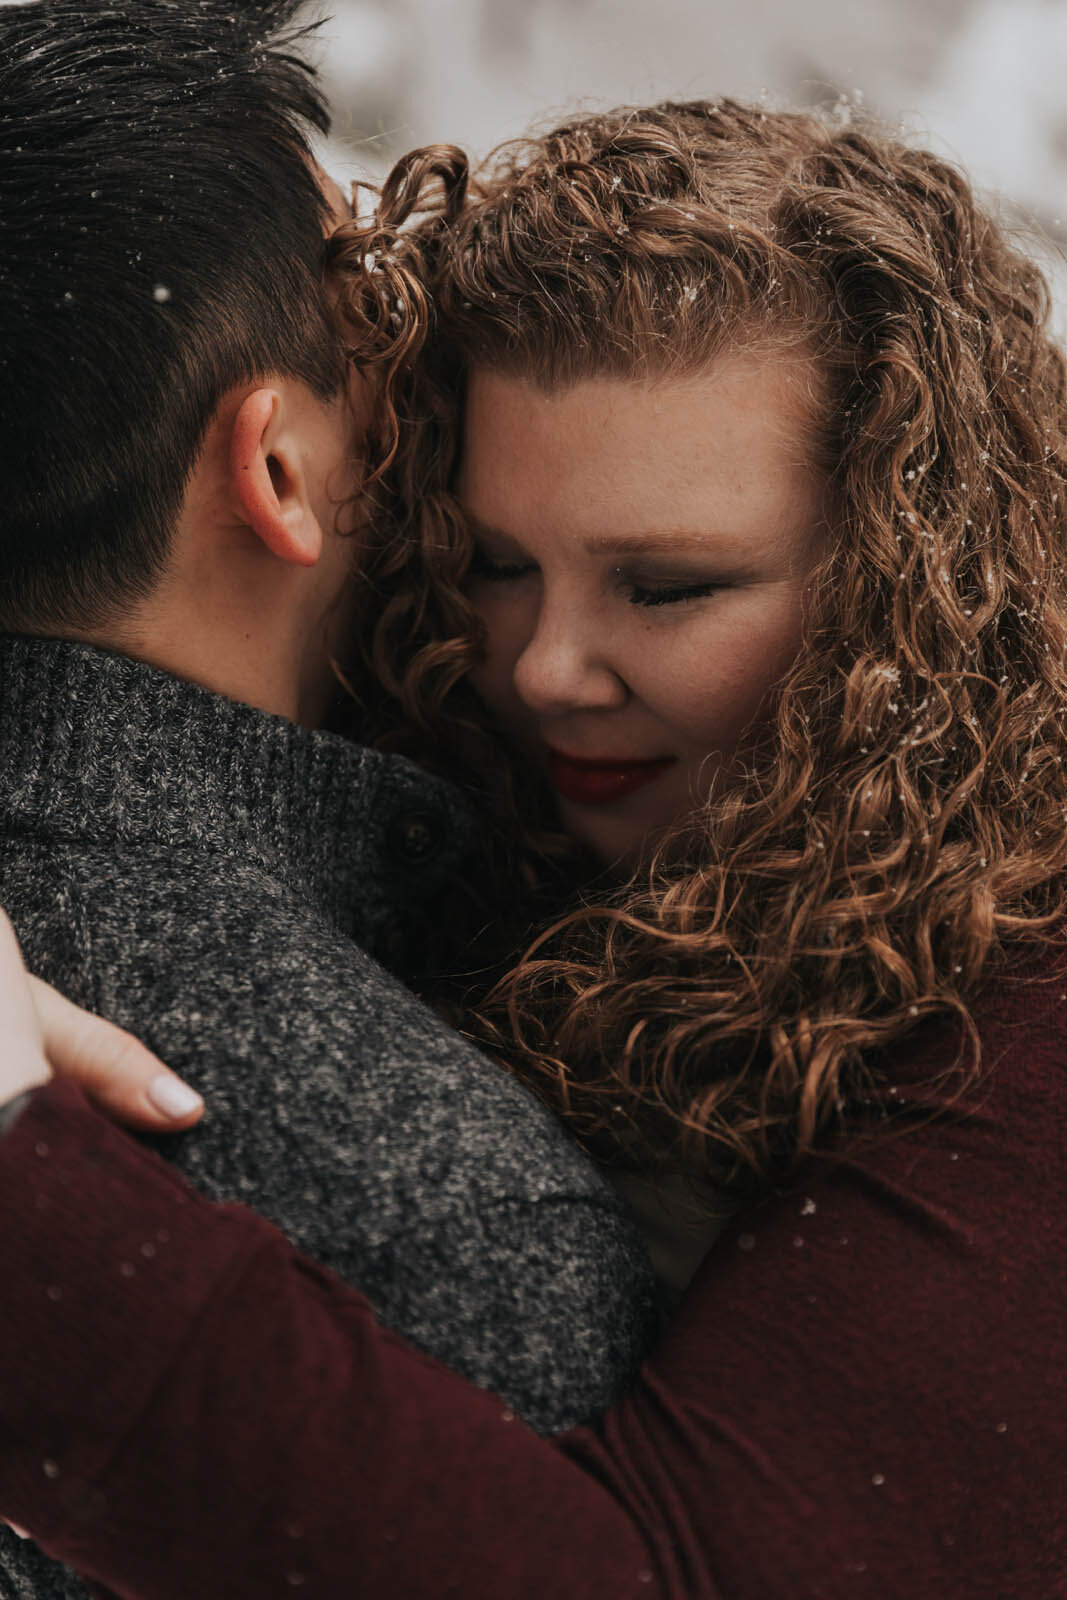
(863, 1395)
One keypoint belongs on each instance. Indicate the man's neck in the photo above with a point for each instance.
(103, 749)
(245, 669)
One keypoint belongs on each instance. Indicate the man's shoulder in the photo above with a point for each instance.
(94, 908)
(374, 1135)
(127, 926)
(285, 1024)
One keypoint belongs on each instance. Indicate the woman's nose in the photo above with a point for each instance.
(567, 666)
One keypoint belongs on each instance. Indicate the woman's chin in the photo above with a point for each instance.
(618, 843)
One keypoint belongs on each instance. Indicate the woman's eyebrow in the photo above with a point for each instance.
(663, 541)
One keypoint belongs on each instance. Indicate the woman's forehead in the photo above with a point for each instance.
(639, 469)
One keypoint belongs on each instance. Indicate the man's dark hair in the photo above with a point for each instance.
(161, 233)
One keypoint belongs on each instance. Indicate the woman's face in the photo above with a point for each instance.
(642, 555)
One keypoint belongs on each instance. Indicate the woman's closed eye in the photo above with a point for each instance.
(668, 594)
(500, 564)
(497, 569)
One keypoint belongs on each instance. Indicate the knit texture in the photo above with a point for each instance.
(213, 879)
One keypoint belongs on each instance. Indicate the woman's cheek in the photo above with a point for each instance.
(760, 670)
(712, 684)
(691, 680)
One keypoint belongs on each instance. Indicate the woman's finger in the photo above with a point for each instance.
(115, 1070)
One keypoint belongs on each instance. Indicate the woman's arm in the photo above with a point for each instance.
(97, 1230)
(237, 1422)
(864, 1394)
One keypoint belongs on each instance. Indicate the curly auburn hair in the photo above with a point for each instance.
(902, 826)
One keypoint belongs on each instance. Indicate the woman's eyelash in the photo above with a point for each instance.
(483, 566)
(670, 594)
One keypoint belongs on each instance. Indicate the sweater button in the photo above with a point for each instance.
(414, 838)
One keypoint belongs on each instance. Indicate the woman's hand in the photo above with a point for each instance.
(44, 1034)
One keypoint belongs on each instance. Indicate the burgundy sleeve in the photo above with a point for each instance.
(863, 1396)
(214, 1415)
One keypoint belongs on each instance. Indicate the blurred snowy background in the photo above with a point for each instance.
(983, 81)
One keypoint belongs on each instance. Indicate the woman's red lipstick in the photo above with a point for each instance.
(599, 783)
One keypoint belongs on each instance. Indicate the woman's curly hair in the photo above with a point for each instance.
(903, 822)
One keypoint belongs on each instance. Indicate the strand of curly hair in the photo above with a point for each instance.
(901, 824)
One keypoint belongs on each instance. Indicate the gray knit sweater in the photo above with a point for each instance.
(212, 877)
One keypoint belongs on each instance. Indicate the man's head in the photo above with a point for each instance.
(161, 229)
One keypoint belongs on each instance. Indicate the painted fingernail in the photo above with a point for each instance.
(173, 1097)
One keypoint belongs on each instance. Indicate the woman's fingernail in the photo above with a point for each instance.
(173, 1097)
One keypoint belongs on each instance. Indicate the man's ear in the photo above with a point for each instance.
(268, 482)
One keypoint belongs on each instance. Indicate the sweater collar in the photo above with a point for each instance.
(102, 749)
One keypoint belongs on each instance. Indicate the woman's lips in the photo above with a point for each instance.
(599, 783)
